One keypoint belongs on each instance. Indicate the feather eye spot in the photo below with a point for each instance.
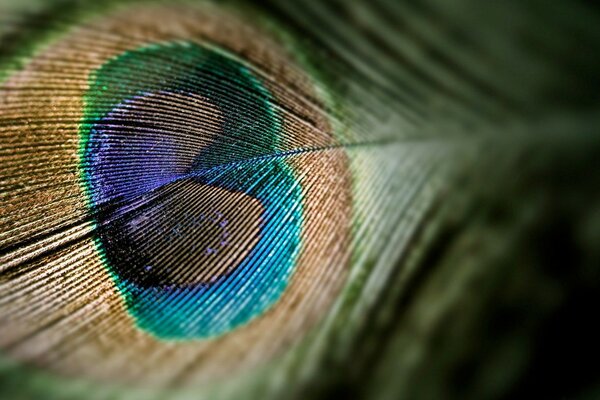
(216, 196)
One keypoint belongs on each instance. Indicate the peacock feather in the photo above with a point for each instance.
(281, 200)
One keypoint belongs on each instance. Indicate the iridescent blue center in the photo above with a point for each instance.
(132, 169)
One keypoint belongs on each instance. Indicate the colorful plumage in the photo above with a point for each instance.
(295, 199)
